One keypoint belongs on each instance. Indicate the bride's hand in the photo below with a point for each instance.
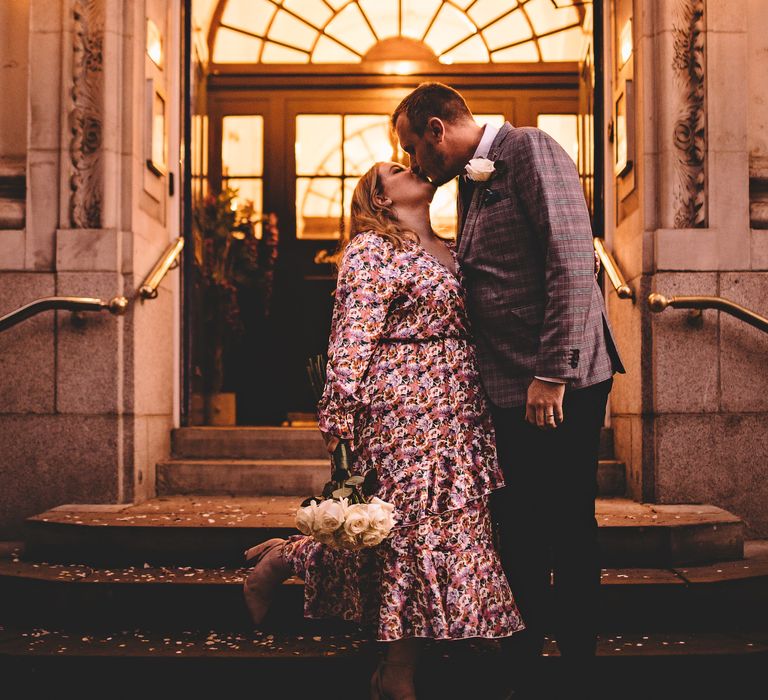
(331, 442)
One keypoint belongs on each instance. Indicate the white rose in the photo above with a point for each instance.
(348, 541)
(387, 507)
(480, 169)
(305, 518)
(372, 537)
(357, 519)
(382, 516)
(382, 521)
(329, 518)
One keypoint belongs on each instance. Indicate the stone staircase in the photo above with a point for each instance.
(157, 587)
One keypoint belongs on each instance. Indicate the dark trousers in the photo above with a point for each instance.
(546, 521)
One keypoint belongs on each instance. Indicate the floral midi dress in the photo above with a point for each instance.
(403, 387)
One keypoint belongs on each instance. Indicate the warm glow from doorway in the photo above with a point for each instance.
(154, 43)
(400, 67)
(626, 42)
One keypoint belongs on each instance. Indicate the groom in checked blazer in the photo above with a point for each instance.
(546, 355)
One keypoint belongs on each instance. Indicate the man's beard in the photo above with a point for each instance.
(439, 163)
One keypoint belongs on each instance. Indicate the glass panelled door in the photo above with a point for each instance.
(299, 157)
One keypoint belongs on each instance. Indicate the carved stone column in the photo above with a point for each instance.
(690, 128)
(86, 115)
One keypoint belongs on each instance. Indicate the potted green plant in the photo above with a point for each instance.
(229, 257)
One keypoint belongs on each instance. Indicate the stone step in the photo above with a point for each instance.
(247, 443)
(727, 596)
(243, 477)
(214, 531)
(204, 661)
(274, 443)
(296, 477)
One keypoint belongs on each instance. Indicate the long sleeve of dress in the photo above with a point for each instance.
(367, 285)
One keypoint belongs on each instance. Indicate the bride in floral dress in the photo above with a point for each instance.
(403, 388)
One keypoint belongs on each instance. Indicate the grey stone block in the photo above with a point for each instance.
(26, 350)
(51, 460)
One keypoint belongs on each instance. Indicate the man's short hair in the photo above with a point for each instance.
(431, 100)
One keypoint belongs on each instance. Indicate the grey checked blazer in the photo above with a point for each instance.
(526, 253)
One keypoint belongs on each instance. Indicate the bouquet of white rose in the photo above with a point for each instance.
(347, 526)
(347, 514)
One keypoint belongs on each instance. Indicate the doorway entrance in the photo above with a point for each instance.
(292, 133)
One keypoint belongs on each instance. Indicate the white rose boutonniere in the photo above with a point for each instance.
(480, 169)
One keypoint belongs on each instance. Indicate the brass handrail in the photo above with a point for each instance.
(658, 302)
(116, 306)
(167, 261)
(623, 290)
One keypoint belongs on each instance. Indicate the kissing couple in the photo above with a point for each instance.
(473, 379)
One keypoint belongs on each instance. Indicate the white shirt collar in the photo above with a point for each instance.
(484, 147)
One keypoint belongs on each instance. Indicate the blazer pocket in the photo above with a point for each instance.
(529, 314)
(518, 326)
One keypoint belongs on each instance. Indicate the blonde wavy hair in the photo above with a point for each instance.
(368, 215)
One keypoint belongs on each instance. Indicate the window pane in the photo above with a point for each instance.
(547, 18)
(242, 147)
(471, 51)
(563, 46)
(349, 187)
(496, 120)
(235, 47)
(512, 28)
(252, 15)
(274, 53)
(367, 141)
(442, 211)
(450, 27)
(351, 29)
(318, 207)
(318, 144)
(382, 14)
(524, 53)
(289, 30)
(484, 11)
(249, 191)
(314, 11)
(564, 129)
(417, 14)
(330, 51)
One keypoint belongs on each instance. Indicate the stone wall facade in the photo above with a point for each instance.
(86, 407)
(691, 417)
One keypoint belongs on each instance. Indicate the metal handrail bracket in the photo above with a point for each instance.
(167, 261)
(623, 290)
(116, 306)
(658, 302)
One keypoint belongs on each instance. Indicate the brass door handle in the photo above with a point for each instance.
(325, 257)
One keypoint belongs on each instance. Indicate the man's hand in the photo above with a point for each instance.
(544, 406)
(331, 442)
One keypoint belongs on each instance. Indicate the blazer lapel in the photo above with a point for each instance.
(470, 217)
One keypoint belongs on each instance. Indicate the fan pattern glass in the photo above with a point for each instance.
(343, 31)
(332, 151)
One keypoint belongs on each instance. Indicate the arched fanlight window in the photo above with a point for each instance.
(347, 31)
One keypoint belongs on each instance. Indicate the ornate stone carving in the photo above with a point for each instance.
(86, 114)
(690, 134)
